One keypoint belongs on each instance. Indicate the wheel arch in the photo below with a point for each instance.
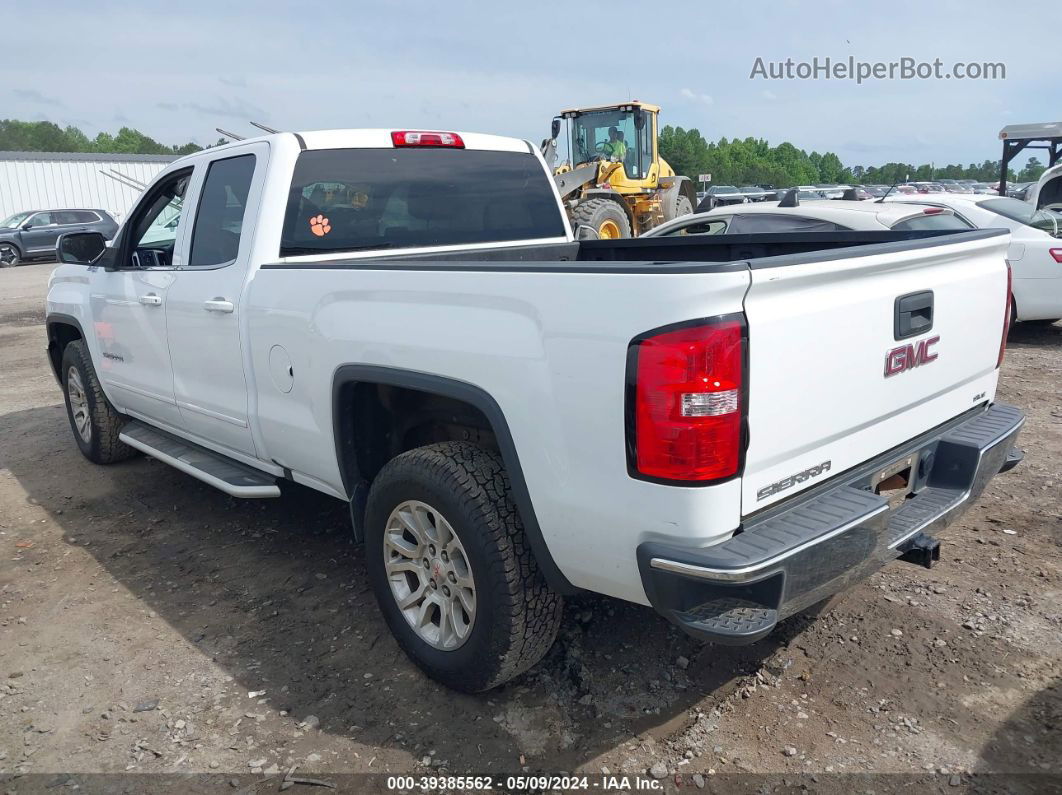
(62, 330)
(345, 425)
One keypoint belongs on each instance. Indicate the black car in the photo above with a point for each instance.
(719, 195)
(32, 234)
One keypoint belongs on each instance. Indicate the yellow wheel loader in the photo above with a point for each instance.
(614, 180)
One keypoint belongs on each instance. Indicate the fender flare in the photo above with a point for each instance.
(356, 488)
(60, 319)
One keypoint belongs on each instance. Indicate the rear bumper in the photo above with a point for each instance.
(812, 546)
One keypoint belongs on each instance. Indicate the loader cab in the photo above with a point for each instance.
(593, 133)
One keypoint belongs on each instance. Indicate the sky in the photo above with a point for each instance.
(176, 71)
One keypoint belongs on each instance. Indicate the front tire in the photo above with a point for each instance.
(9, 256)
(93, 420)
(605, 216)
(452, 572)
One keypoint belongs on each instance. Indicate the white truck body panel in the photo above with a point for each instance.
(549, 345)
(820, 394)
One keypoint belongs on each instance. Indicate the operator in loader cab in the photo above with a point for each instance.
(615, 146)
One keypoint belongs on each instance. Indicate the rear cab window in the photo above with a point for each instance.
(349, 200)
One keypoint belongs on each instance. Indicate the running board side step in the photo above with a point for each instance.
(214, 469)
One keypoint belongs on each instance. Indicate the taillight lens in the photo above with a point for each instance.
(1056, 254)
(1006, 316)
(426, 138)
(688, 401)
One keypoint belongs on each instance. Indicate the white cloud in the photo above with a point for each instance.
(693, 96)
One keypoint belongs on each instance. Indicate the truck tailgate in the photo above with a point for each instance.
(830, 383)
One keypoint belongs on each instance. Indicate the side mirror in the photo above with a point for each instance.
(584, 232)
(27, 226)
(639, 119)
(80, 248)
(554, 129)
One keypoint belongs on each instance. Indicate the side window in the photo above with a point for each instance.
(42, 219)
(768, 222)
(153, 227)
(939, 221)
(713, 227)
(85, 217)
(66, 217)
(219, 219)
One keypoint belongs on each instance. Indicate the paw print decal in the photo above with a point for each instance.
(319, 225)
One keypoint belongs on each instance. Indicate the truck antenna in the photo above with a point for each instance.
(233, 136)
(263, 127)
(882, 199)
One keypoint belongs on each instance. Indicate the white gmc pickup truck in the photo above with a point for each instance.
(727, 428)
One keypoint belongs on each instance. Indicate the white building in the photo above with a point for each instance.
(54, 180)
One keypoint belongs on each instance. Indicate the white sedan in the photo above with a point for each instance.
(818, 215)
(1035, 252)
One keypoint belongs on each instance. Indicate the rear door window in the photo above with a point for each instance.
(219, 220)
(346, 200)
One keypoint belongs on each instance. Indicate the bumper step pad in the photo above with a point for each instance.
(737, 619)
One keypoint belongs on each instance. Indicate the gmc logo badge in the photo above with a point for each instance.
(908, 357)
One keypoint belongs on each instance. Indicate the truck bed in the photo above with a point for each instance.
(662, 253)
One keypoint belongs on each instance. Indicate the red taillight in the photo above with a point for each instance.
(426, 138)
(1006, 317)
(688, 401)
(1056, 253)
(932, 211)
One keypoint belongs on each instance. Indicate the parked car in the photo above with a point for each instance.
(754, 193)
(1019, 190)
(832, 215)
(32, 235)
(1035, 252)
(1046, 193)
(325, 315)
(718, 195)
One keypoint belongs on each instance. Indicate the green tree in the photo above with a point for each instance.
(44, 136)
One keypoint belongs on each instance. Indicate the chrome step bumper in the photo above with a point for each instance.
(812, 546)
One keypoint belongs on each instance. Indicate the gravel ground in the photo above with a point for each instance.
(152, 625)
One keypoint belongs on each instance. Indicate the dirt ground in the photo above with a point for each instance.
(152, 625)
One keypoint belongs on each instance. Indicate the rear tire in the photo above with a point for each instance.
(93, 420)
(506, 616)
(9, 256)
(605, 216)
(683, 206)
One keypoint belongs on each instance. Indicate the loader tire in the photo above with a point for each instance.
(683, 206)
(605, 216)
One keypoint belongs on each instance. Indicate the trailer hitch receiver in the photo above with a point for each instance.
(921, 549)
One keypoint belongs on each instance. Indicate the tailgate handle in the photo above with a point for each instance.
(913, 314)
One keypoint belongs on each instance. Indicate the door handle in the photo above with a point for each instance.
(151, 299)
(218, 305)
